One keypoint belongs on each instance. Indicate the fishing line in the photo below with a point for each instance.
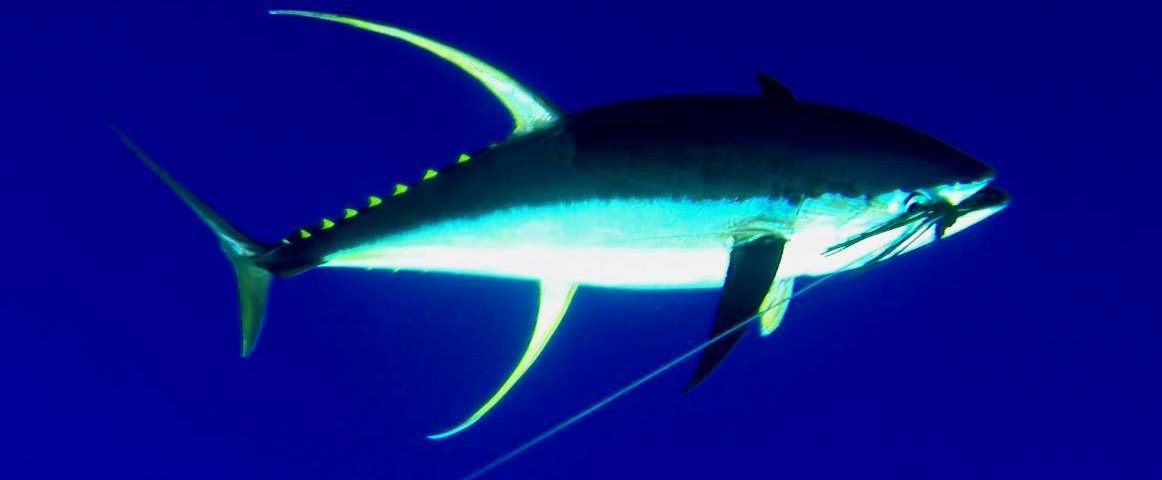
(635, 384)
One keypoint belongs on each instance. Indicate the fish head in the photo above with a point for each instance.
(921, 188)
(962, 194)
(845, 151)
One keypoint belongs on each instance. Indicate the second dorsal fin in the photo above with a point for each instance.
(529, 111)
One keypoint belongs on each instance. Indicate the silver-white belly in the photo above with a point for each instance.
(646, 243)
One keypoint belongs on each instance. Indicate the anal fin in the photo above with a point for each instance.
(774, 306)
(751, 271)
(555, 299)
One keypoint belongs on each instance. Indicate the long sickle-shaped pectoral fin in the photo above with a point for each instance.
(529, 111)
(555, 298)
(752, 269)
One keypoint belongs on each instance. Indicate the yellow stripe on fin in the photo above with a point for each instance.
(400, 189)
(555, 299)
(374, 201)
(430, 174)
(327, 223)
(463, 158)
(350, 212)
(529, 111)
(775, 304)
(303, 233)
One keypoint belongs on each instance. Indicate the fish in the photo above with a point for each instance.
(743, 193)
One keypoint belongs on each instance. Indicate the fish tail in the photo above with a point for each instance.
(242, 251)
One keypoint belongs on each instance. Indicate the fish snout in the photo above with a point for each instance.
(982, 204)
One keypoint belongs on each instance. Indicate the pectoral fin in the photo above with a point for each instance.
(775, 305)
(555, 298)
(752, 270)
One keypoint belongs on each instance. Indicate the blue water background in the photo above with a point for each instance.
(1026, 347)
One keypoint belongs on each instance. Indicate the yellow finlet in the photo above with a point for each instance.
(374, 201)
(555, 299)
(463, 158)
(327, 223)
(303, 233)
(400, 189)
(430, 174)
(350, 212)
(285, 242)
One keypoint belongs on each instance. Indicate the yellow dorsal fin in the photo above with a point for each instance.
(374, 201)
(327, 223)
(303, 233)
(555, 298)
(350, 212)
(430, 174)
(463, 158)
(529, 111)
(400, 189)
(775, 304)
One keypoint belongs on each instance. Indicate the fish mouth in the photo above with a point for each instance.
(941, 217)
(989, 197)
(981, 205)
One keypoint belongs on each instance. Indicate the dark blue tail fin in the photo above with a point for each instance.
(240, 249)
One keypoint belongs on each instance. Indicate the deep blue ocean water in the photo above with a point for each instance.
(1026, 347)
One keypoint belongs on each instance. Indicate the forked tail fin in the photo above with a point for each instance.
(241, 250)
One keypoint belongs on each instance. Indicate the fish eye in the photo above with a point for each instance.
(916, 200)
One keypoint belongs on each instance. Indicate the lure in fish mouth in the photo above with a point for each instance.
(927, 221)
(742, 193)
